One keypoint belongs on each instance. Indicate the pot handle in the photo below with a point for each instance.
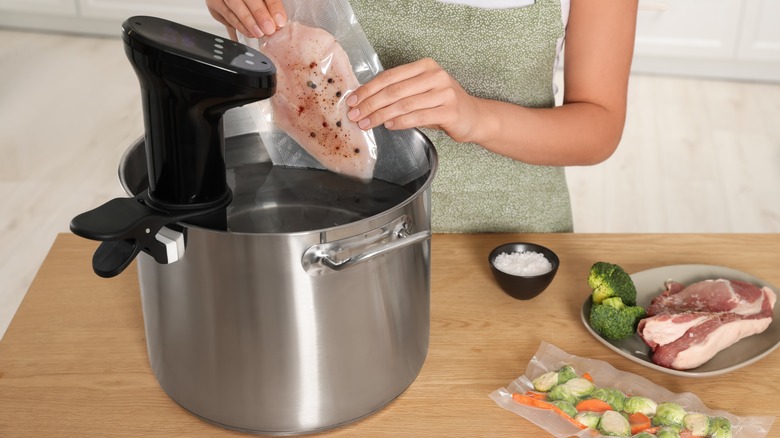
(342, 254)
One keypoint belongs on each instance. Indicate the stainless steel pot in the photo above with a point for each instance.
(285, 332)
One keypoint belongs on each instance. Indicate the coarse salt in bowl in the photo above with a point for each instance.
(523, 270)
(525, 263)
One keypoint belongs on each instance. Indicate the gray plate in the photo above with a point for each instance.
(650, 284)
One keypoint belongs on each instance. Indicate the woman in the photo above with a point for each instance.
(479, 74)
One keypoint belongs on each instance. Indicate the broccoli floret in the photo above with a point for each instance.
(609, 280)
(614, 320)
(615, 302)
(638, 312)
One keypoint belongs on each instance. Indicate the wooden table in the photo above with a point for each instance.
(73, 362)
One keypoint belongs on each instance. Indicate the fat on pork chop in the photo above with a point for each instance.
(689, 325)
(313, 77)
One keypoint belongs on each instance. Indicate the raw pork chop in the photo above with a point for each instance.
(313, 77)
(704, 340)
(708, 296)
(689, 325)
(666, 328)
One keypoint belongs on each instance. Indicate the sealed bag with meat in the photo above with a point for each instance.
(321, 56)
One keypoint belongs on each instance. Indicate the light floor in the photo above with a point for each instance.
(696, 156)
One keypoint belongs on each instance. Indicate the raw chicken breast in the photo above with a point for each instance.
(314, 76)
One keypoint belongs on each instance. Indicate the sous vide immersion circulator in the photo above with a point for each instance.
(188, 79)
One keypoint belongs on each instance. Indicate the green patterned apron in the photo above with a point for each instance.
(503, 54)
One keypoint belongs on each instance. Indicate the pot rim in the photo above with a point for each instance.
(433, 159)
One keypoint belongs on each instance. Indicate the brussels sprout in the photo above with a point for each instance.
(613, 396)
(561, 392)
(669, 414)
(698, 424)
(667, 432)
(546, 381)
(566, 373)
(636, 404)
(614, 424)
(566, 407)
(644, 435)
(580, 387)
(720, 427)
(589, 419)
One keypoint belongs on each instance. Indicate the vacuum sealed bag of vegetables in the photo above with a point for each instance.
(569, 396)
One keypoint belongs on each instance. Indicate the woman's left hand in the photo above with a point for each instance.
(419, 94)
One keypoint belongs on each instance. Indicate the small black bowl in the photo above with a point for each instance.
(522, 287)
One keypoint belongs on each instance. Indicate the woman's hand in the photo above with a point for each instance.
(419, 94)
(253, 18)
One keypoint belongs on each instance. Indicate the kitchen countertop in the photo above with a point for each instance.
(73, 361)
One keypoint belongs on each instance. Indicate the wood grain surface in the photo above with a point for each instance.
(73, 362)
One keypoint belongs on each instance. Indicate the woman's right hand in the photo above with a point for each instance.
(253, 18)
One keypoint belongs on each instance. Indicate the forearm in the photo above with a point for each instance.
(587, 128)
(576, 133)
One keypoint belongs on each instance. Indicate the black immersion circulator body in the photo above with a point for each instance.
(188, 78)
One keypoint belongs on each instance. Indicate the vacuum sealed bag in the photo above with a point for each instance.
(321, 56)
(558, 394)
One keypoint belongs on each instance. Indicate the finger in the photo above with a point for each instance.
(383, 80)
(394, 92)
(261, 15)
(218, 16)
(424, 118)
(235, 23)
(455, 123)
(241, 17)
(408, 111)
(232, 33)
(276, 9)
(231, 23)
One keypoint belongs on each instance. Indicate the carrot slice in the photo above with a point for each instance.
(537, 395)
(638, 422)
(541, 404)
(588, 377)
(532, 401)
(593, 405)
